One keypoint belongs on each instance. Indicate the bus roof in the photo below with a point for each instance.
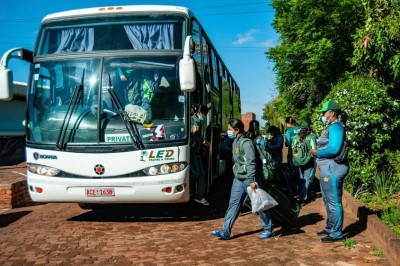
(117, 10)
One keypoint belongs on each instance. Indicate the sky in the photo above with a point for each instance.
(241, 31)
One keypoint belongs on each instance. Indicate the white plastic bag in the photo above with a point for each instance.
(260, 200)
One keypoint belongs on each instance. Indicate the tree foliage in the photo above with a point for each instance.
(315, 47)
(377, 42)
(370, 112)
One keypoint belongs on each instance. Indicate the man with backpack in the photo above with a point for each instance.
(302, 144)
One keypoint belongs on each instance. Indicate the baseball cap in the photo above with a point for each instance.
(329, 105)
(304, 124)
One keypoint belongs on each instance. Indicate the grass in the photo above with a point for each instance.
(349, 243)
(385, 200)
(384, 185)
(391, 217)
(377, 252)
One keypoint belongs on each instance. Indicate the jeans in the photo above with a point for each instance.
(238, 195)
(307, 173)
(197, 175)
(147, 106)
(331, 182)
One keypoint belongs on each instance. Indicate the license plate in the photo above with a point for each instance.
(99, 192)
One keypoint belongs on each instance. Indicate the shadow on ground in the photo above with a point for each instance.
(9, 218)
(190, 211)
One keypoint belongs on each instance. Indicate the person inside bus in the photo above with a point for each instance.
(197, 142)
(130, 84)
(140, 90)
(246, 175)
(150, 85)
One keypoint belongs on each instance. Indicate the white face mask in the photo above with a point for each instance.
(324, 120)
(230, 134)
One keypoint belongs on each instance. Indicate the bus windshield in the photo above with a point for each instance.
(71, 99)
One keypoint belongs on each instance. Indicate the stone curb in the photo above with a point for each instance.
(387, 239)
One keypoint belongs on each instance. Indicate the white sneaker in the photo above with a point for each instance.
(202, 201)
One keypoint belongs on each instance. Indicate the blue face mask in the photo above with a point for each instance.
(231, 134)
(324, 120)
(201, 117)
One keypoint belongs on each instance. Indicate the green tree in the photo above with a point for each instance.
(377, 42)
(314, 50)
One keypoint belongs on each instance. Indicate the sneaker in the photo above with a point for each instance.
(202, 201)
(329, 239)
(219, 234)
(322, 233)
(266, 235)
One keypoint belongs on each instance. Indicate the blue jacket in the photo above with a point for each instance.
(331, 141)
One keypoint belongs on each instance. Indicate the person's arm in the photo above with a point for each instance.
(287, 138)
(121, 74)
(336, 138)
(279, 141)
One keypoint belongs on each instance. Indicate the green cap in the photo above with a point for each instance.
(304, 124)
(329, 105)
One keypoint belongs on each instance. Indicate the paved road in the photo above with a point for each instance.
(64, 234)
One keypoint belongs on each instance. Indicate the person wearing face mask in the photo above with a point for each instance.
(254, 133)
(245, 174)
(197, 172)
(332, 173)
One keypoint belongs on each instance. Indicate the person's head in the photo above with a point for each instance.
(273, 130)
(304, 129)
(235, 127)
(290, 121)
(200, 111)
(254, 128)
(147, 74)
(330, 112)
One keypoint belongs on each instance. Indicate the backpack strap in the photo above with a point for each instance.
(243, 140)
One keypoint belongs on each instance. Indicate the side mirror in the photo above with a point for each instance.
(187, 69)
(6, 84)
(6, 75)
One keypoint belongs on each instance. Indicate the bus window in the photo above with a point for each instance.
(119, 33)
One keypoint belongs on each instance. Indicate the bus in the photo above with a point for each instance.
(110, 91)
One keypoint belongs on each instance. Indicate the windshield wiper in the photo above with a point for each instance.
(133, 131)
(76, 97)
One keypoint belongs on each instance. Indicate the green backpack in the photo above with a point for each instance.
(301, 153)
(264, 160)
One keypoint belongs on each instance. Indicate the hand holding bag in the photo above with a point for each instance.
(260, 200)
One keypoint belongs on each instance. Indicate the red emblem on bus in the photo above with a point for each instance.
(99, 169)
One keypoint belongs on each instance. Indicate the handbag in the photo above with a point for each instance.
(260, 200)
(342, 156)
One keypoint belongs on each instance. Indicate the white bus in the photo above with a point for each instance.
(92, 137)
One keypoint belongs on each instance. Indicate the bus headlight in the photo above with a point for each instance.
(42, 169)
(166, 168)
